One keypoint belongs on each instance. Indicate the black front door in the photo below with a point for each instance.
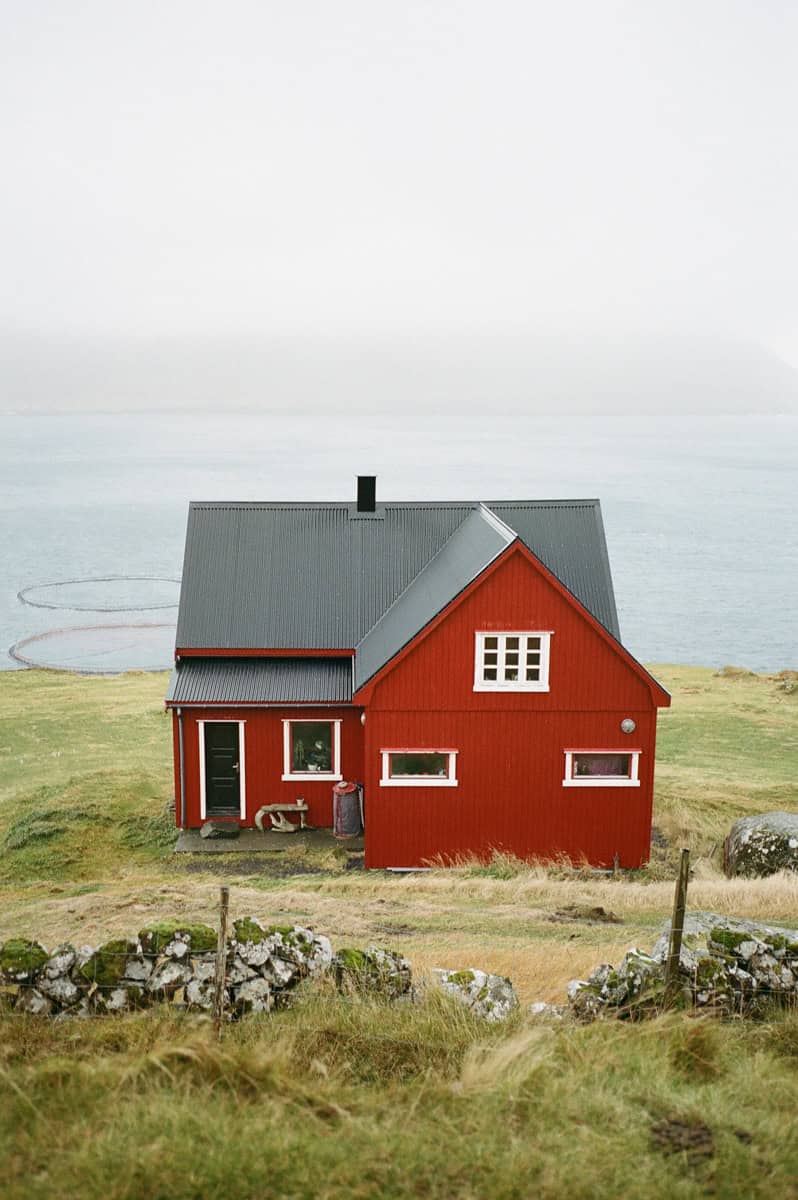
(222, 769)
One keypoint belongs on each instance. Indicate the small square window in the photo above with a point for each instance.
(512, 662)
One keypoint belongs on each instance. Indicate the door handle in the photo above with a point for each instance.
(236, 767)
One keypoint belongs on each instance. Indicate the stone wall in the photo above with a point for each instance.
(176, 963)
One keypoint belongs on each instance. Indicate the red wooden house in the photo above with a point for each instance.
(462, 660)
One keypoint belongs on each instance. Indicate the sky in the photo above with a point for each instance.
(249, 169)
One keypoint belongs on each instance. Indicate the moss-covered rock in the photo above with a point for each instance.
(197, 937)
(373, 970)
(249, 929)
(106, 966)
(20, 959)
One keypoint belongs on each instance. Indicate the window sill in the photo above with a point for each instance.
(418, 783)
(311, 776)
(579, 783)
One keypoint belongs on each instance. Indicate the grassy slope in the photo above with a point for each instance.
(447, 1108)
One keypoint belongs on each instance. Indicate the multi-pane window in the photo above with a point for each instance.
(512, 662)
(602, 768)
(419, 768)
(311, 749)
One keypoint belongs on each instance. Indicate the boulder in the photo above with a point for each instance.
(490, 996)
(762, 844)
(219, 829)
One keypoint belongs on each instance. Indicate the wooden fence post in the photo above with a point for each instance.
(677, 929)
(221, 961)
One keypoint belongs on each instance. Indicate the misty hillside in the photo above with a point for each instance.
(512, 372)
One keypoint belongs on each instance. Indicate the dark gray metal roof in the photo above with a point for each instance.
(261, 681)
(322, 576)
(468, 551)
(300, 576)
(568, 538)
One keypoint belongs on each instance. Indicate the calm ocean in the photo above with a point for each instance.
(701, 513)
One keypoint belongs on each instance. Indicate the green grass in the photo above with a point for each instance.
(337, 1099)
(350, 1098)
(727, 747)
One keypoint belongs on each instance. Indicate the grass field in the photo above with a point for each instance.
(336, 1098)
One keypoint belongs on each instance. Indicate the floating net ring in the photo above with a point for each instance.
(80, 649)
(77, 603)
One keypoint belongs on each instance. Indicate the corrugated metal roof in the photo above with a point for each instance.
(305, 576)
(261, 681)
(467, 552)
(568, 538)
(300, 576)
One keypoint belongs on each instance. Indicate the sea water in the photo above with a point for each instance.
(701, 513)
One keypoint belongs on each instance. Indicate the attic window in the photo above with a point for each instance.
(419, 768)
(602, 768)
(311, 750)
(512, 662)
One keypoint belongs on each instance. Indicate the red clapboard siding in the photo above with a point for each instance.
(510, 763)
(264, 758)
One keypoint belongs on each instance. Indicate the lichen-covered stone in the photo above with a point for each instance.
(139, 969)
(255, 995)
(200, 994)
(167, 977)
(544, 1011)
(489, 996)
(762, 844)
(31, 1001)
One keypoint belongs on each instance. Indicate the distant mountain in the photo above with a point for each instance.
(507, 372)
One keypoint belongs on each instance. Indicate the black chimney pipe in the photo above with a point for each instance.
(366, 493)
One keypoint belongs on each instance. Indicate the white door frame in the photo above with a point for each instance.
(242, 766)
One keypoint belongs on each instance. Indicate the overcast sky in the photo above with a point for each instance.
(183, 168)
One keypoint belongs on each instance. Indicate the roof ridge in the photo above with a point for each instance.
(346, 505)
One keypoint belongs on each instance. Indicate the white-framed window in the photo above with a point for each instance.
(312, 749)
(515, 661)
(602, 768)
(418, 768)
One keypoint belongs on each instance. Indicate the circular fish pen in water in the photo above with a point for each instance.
(105, 593)
(98, 649)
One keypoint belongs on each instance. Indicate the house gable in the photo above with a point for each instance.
(589, 668)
